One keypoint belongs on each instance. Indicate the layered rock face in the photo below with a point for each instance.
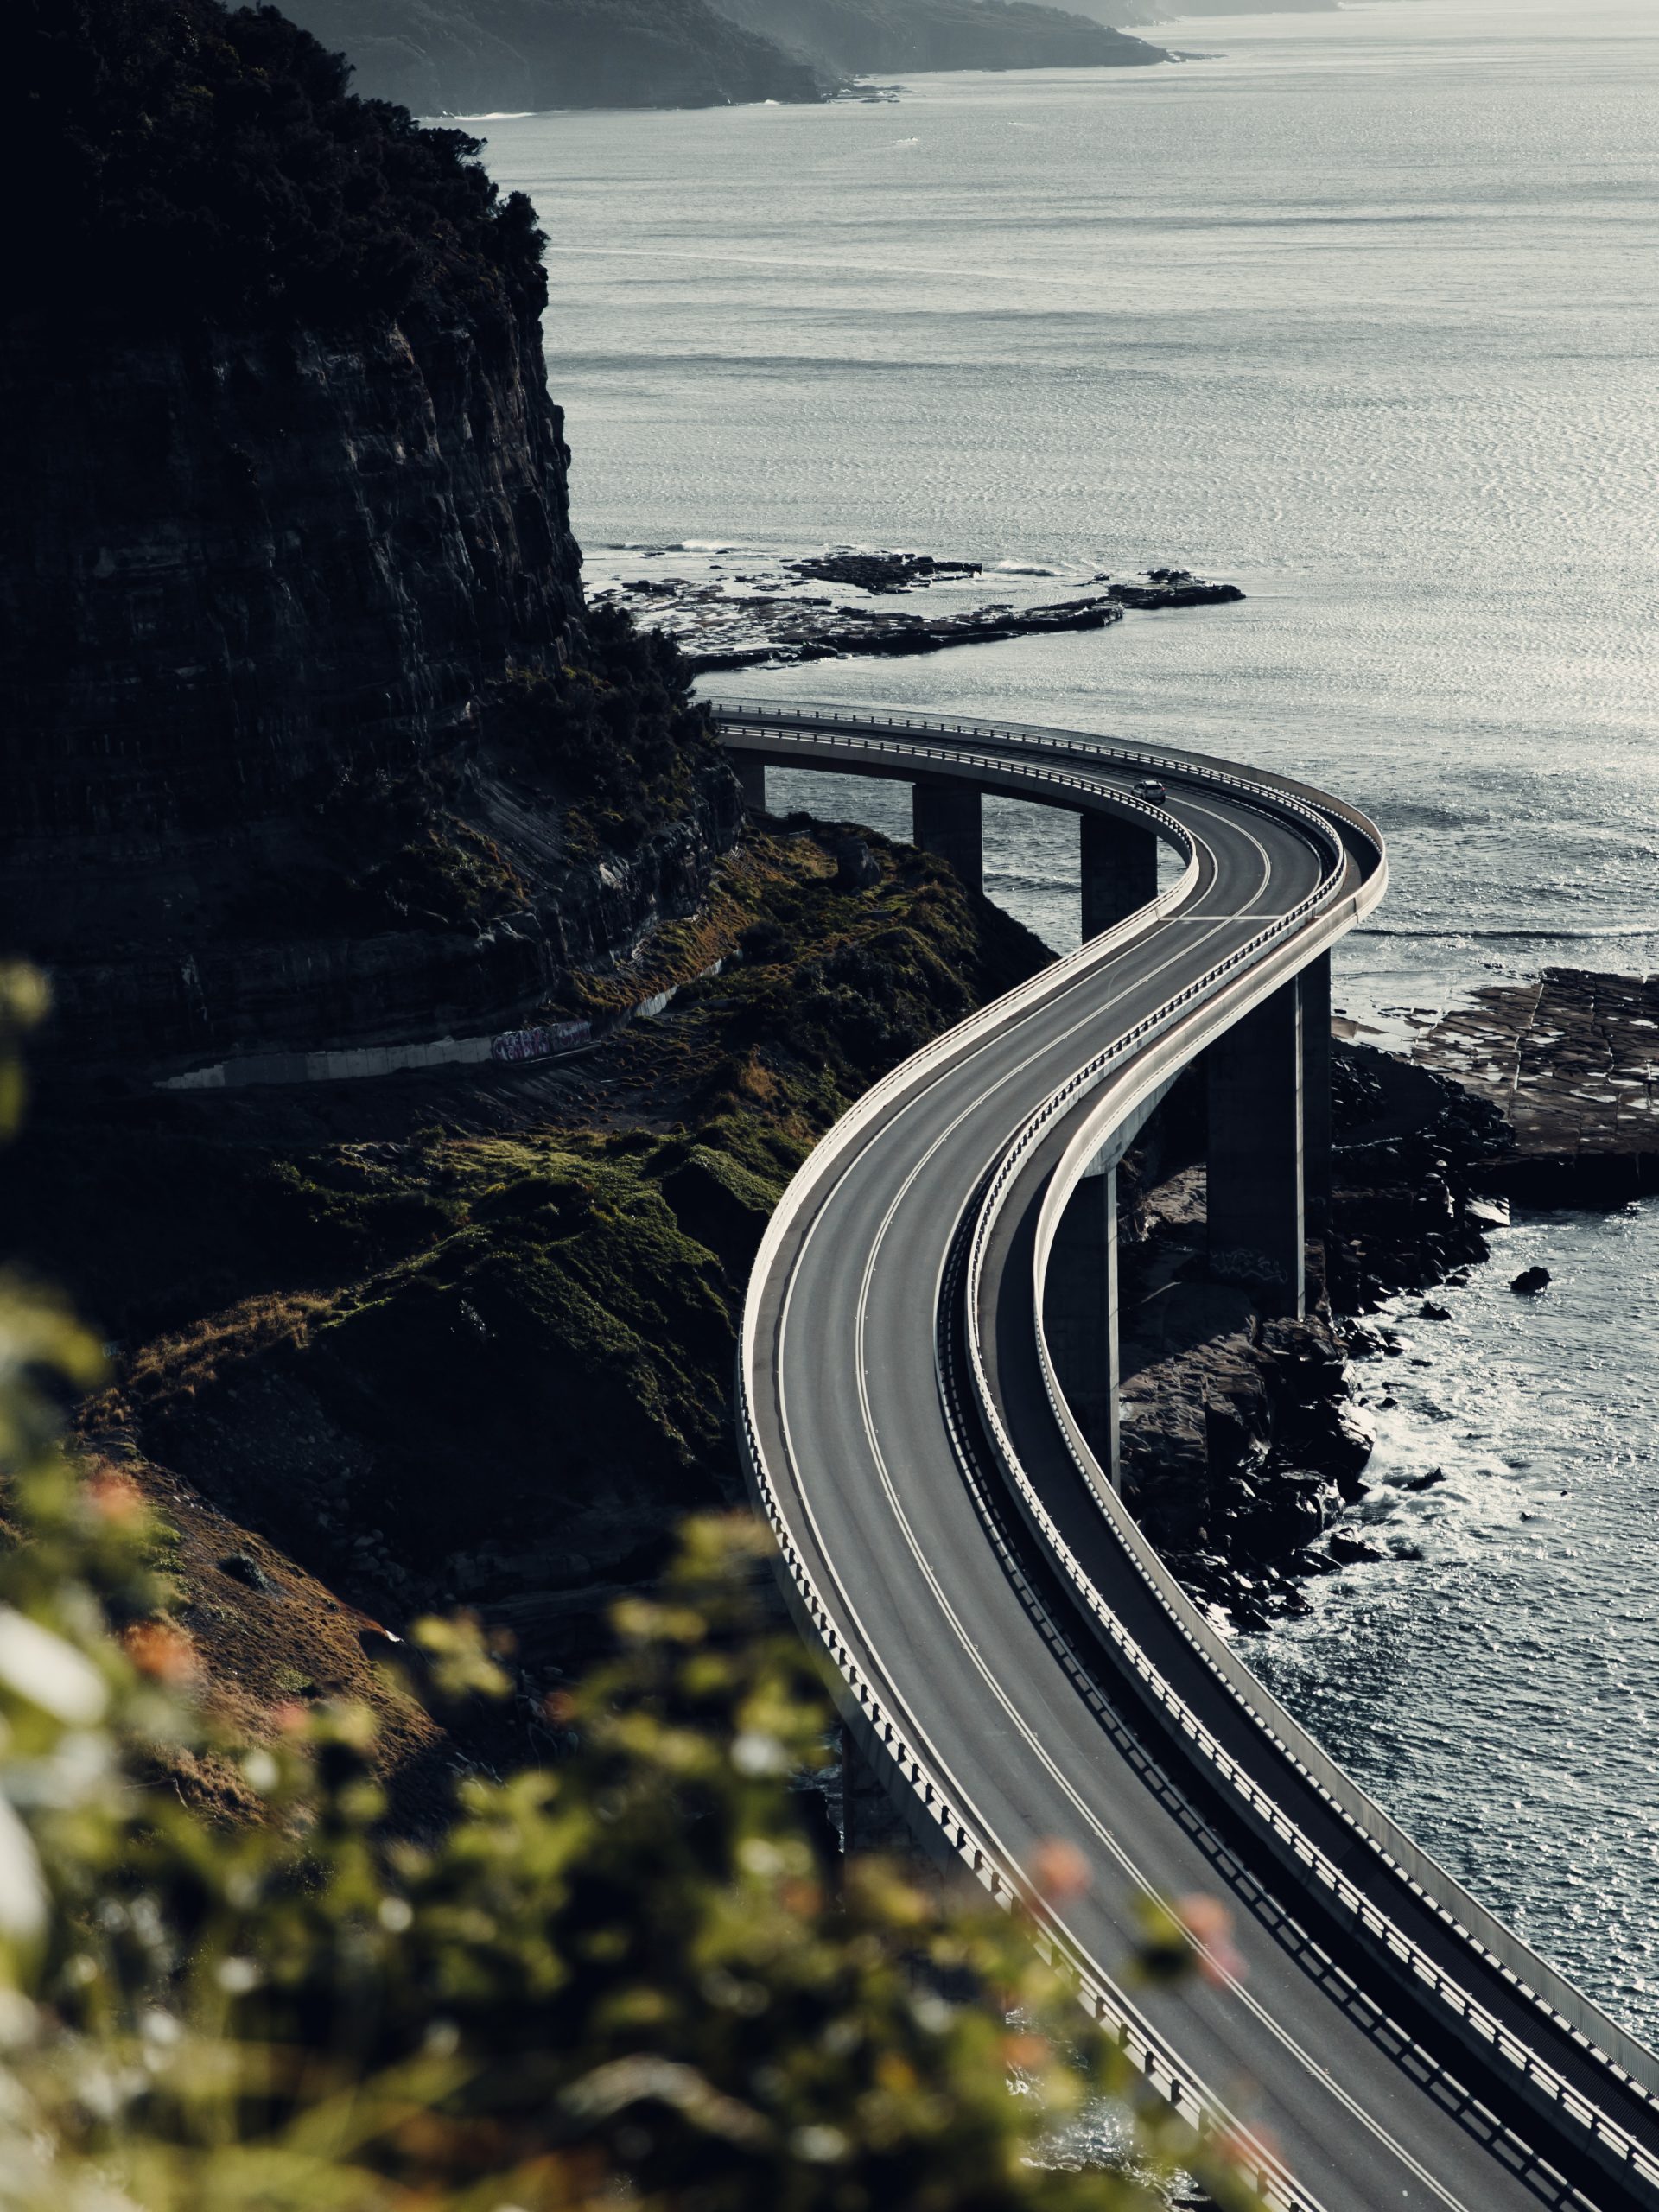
(236, 564)
(309, 741)
(255, 592)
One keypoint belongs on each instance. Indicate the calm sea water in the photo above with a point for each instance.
(1362, 311)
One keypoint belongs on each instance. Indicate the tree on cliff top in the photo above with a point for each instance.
(187, 162)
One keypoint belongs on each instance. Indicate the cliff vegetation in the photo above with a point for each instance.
(384, 1346)
(208, 166)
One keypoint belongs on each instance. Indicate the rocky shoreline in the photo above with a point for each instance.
(730, 610)
(1571, 1060)
(1245, 1441)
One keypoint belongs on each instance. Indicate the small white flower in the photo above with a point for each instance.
(48, 1672)
(396, 1915)
(756, 1754)
(19, 2020)
(261, 1772)
(819, 2147)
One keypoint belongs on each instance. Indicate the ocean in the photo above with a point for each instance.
(1361, 311)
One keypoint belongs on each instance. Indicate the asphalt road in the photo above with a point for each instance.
(980, 1627)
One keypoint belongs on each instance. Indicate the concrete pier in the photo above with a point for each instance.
(1315, 984)
(1256, 1224)
(751, 776)
(1120, 871)
(945, 820)
(1080, 1312)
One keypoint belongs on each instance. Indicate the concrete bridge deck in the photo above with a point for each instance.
(1010, 1650)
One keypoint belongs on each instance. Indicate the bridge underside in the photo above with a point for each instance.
(1268, 1084)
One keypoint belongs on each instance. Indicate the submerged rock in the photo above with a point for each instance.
(1530, 1281)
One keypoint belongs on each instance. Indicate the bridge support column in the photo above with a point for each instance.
(752, 778)
(945, 820)
(1255, 1222)
(1315, 982)
(1120, 871)
(1080, 1312)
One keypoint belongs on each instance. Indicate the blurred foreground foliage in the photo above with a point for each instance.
(634, 1976)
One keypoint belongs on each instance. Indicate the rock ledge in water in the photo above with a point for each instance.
(1572, 1060)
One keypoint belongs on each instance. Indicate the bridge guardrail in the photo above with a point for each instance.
(1205, 2111)
(780, 717)
(1002, 1880)
(843, 723)
(1383, 1838)
(1310, 1860)
(1367, 1914)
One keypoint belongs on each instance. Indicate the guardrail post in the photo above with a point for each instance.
(752, 777)
(945, 820)
(1255, 1209)
(1315, 985)
(1080, 1312)
(1120, 871)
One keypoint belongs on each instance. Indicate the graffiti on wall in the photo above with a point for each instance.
(538, 1043)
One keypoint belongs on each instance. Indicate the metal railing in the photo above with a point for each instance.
(894, 737)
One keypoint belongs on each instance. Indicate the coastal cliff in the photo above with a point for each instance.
(864, 35)
(302, 697)
(312, 741)
(484, 56)
(481, 56)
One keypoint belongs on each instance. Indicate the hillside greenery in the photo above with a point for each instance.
(633, 1973)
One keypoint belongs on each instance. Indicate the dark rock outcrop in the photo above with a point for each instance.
(803, 638)
(1242, 1439)
(1415, 1153)
(1570, 1060)
(1165, 588)
(743, 609)
(880, 572)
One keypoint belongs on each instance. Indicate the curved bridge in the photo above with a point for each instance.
(927, 1402)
